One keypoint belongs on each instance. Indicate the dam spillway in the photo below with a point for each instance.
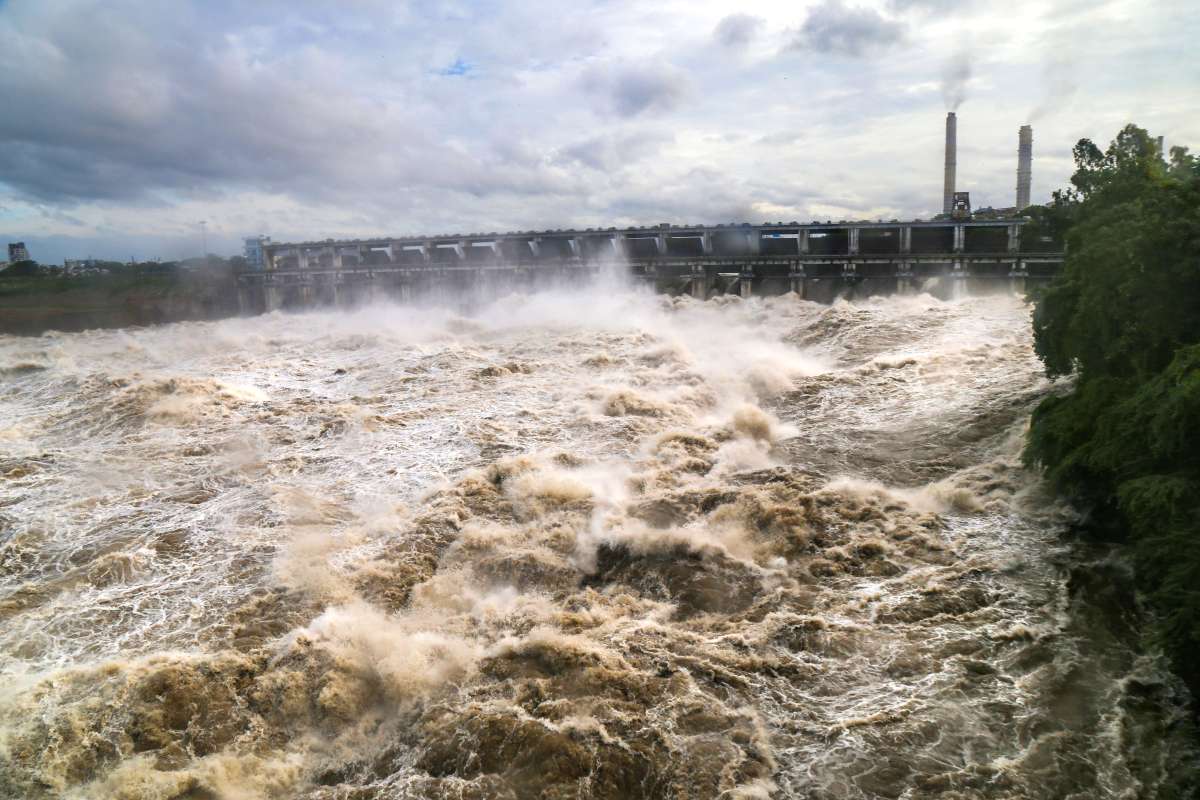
(813, 260)
(583, 543)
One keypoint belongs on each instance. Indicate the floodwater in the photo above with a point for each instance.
(593, 544)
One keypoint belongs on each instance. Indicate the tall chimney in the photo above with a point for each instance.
(1024, 166)
(951, 162)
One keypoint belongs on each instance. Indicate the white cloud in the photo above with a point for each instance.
(125, 122)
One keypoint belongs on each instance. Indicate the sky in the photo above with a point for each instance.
(126, 125)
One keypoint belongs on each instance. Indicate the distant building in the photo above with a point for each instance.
(961, 207)
(17, 251)
(81, 266)
(254, 251)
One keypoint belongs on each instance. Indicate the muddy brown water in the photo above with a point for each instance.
(572, 545)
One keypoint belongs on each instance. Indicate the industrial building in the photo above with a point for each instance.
(253, 250)
(956, 204)
(17, 251)
(1024, 166)
(951, 164)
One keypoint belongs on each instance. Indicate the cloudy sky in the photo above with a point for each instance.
(123, 124)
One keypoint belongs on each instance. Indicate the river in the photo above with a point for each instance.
(589, 544)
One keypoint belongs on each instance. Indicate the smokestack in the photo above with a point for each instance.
(951, 162)
(1024, 166)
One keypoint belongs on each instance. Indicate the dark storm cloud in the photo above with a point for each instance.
(126, 106)
(836, 28)
(305, 119)
(738, 30)
(611, 152)
(630, 90)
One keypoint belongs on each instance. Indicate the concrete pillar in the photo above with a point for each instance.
(245, 305)
(301, 258)
(306, 294)
(754, 240)
(272, 297)
(796, 280)
(906, 239)
(699, 283)
(427, 252)
(1014, 238)
(535, 246)
(746, 282)
(905, 283)
(576, 246)
(854, 241)
(849, 270)
(618, 245)
(478, 280)
(461, 249)
(337, 257)
(960, 238)
(269, 258)
(377, 290)
(706, 243)
(802, 241)
(660, 242)
(1018, 279)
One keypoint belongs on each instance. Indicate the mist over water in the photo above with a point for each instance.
(594, 543)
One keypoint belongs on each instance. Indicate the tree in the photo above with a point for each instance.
(1123, 318)
(21, 269)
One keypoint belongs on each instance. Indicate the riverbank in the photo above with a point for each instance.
(1123, 321)
(31, 306)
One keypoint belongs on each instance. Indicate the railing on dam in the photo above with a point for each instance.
(743, 259)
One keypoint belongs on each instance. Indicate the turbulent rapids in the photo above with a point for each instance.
(590, 545)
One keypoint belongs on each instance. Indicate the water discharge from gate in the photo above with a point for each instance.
(575, 544)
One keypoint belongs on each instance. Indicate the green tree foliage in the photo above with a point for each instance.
(20, 269)
(1123, 318)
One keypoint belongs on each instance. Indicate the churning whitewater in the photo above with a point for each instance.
(594, 544)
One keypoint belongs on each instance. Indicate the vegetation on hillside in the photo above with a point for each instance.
(1123, 318)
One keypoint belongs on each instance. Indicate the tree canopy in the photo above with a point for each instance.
(20, 269)
(1123, 318)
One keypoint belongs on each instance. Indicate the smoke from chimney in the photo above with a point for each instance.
(1058, 86)
(1024, 166)
(951, 162)
(956, 74)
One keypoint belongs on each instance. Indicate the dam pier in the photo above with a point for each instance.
(818, 261)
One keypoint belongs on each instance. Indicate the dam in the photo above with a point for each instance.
(815, 260)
